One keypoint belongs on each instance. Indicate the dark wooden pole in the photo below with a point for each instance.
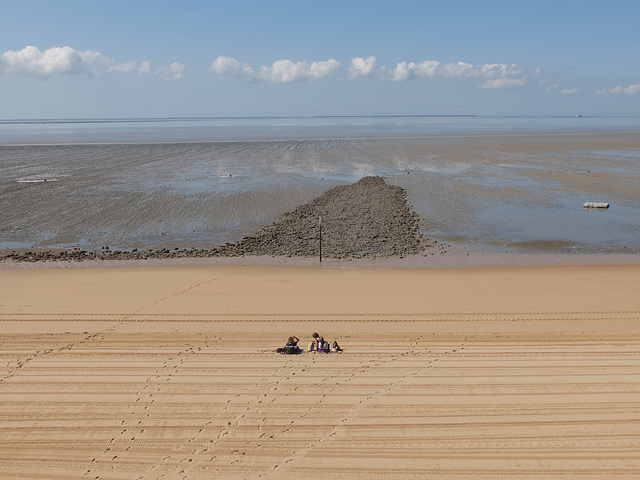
(320, 226)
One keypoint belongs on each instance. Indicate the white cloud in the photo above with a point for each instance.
(407, 71)
(123, 67)
(504, 83)
(172, 72)
(363, 67)
(281, 71)
(145, 68)
(231, 67)
(488, 70)
(497, 75)
(499, 70)
(428, 68)
(287, 71)
(569, 91)
(401, 72)
(628, 90)
(30, 61)
(552, 87)
(459, 69)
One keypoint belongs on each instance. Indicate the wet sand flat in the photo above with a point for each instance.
(508, 192)
(170, 372)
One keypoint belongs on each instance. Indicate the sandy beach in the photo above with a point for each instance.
(509, 347)
(170, 372)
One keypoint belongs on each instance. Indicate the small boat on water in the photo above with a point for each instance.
(596, 205)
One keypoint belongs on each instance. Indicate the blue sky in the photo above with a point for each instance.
(139, 58)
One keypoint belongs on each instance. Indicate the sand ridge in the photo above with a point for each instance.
(146, 373)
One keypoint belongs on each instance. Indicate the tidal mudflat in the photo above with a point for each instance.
(491, 193)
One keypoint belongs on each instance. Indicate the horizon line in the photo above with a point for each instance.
(27, 121)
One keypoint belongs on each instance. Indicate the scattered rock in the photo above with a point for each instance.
(365, 219)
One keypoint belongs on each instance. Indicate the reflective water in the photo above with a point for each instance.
(283, 128)
(510, 184)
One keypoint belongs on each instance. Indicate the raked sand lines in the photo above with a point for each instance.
(167, 373)
(180, 404)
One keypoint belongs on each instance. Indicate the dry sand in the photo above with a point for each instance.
(169, 372)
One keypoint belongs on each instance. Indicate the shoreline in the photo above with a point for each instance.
(449, 257)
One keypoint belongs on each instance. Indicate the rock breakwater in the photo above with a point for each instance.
(366, 219)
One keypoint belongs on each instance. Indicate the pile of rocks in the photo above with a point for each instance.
(366, 219)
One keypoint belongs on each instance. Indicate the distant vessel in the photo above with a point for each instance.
(578, 116)
(596, 205)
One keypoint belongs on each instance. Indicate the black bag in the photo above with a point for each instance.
(292, 350)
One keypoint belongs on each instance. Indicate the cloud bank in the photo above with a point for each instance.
(505, 83)
(628, 90)
(282, 71)
(364, 67)
(496, 75)
(30, 61)
(172, 72)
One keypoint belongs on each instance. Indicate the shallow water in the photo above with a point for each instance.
(176, 130)
(486, 191)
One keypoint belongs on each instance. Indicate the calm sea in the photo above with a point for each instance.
(14, 132)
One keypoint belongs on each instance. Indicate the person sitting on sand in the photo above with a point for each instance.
(323, 345)
(319, 344)
(292, 348)
(313, 345)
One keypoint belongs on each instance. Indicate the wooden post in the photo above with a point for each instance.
(320, 229)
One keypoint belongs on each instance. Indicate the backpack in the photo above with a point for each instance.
(292, 349)
(323, 346)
